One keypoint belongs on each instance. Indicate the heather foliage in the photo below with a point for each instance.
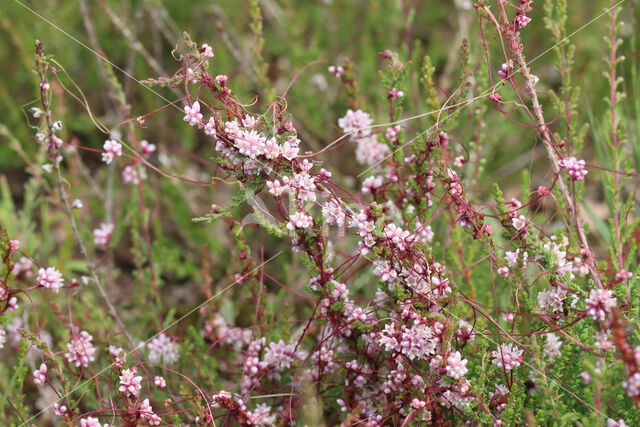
(262, 224)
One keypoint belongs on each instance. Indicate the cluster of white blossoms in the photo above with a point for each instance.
(357, 124)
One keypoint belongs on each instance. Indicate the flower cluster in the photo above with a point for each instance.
(130, 383)
(50, 278)
(507, 357)
(163, 349)
(600, 303)
(575, 167)
(112, 149)
(80, 349)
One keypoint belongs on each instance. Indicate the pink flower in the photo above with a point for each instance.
(102, 234)
(115, 351)
(58, 409)
(112, 149)
(222, 80)
(395, 93)
(281, 355)
(130, 384)
(456, 366)
(206, 50)
(160, 382)
(503, 271)
(146, 149)
(146, 413)
(299, 220)
(392, 133)
(632, 385)
(261, 416)
(162, 348)
(80, 350)
(50, 278)
(130, 175)
(357, 123)
(40, 375)
(614, 423)
(417, 341)
(277, 189)
(575, 167)
(552, 301)
(600, 303)
(623, 275)
(210, 127)
(519, 223)
(504, 71)
(371, 184)
(290, 149)
(91, 422)
(192, 114)
(12, 304)
(552, 346)
(507, 357)
(23, 266)
(333, 213)
(522, 20)
(369, 151)
(14, 245)
(336, 70)
(602, 342)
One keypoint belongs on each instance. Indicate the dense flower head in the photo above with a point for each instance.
(102, 234)
(207, 51)
(58, 409)
(91, 422)
(600, 303)
(210, 127)
(333, 213)
(356, 123)
(300, 220)
(80, 350)
(50, 278)
(146, 148)
(456, 366)
(24, 266)
(392, 133)
(336, 70)
(281, 355)
(632, 384)
(130, 175)
(575, 167)
(40, 374)
(129, 382)
(552, 346)
(371, 184)
(160, 382)
(146, 413)
(369, 151)
(522, 20)
(112, 149)
(163, 349)
(14, 245)
(507, 357)
(552, 300)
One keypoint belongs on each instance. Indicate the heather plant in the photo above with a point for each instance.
(415, 235)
